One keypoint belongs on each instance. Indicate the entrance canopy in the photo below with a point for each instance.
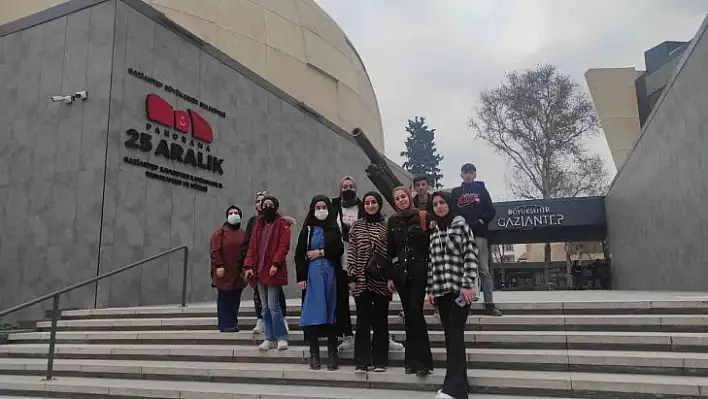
(550, 220)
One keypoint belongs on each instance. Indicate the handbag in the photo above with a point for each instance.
(376, 265)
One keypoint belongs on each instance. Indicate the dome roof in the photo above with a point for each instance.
(293, 44)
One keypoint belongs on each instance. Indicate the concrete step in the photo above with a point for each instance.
(13, 357)
(688, 305)
(489, 381)
(668, 323)
(67, 387)
(597, 340)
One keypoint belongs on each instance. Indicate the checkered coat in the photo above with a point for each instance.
(453, 259)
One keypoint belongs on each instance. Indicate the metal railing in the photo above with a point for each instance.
(55, 298)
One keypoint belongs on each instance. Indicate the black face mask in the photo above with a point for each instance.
(348, 195)
(269, 214)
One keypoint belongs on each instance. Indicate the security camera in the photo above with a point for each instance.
(66, 99)
(81, 95)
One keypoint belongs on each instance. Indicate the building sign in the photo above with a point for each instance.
(182, 136)
(529, 217)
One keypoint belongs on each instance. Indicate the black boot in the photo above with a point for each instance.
(333, 355)
(315, 361)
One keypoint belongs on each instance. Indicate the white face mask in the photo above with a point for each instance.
(234, 219)
(321, 214)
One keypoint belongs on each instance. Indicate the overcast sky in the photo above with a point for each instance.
(432, 58)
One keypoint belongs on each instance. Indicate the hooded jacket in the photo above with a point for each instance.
(473, 202)
(333, 246)
(225, 250)
(277, 250)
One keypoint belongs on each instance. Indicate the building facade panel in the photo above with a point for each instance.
(74, 201)
(260, 34)
(53, 154)
(655, 208)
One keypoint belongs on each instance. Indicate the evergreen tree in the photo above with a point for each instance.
(421, 156)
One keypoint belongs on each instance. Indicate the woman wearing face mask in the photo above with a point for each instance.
(451, 277)
(408, 273)
(318, 259)
(258, 329)
(266, 265)
(226, 264)
(368, 262)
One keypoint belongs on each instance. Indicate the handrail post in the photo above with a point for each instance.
(52, 337)
(185, 262)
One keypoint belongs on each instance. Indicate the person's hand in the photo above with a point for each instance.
(352, 287)
(272, 271)
(248, 274)
(391, 286)
(302, 284)
(431, 300)
(468, 294)
(220, 272)
(314, 253)
(433, 224)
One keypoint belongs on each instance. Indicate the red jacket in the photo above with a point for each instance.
(278, 248)
(226, 251)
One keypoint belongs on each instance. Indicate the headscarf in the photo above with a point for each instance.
(270, 216)
(237, 225)
(377, 217)
(311, 220)
(445, 221)
(411, 208)
(347, 202)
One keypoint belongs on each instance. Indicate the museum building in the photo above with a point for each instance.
(128, 127)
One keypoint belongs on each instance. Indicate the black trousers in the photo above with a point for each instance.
(258, 304)
(454, 318)
(371, 313)
(227, 305)
(344, 316)
(418, 356)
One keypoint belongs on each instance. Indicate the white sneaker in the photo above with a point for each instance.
(443, 395)
(266, 345)
(282, 345)
(394, 346)
(347, 344)
(258, 329)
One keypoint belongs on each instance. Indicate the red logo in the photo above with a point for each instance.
(468, 199)
(160, 111)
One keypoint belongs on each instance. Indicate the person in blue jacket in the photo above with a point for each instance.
(474, 203)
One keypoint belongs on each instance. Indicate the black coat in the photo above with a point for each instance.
(333, 251)
(408, 250)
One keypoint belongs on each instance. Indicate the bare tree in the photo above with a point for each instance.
(540, 120)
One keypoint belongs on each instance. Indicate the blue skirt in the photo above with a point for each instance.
(320, 304)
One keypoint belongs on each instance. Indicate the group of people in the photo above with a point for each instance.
(433, 247)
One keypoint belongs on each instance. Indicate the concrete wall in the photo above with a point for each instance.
(59, 214)
(656, 210)
(52, 155)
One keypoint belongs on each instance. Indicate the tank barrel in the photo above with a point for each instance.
(378, 172)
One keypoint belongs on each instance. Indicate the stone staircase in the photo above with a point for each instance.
(600, 345)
